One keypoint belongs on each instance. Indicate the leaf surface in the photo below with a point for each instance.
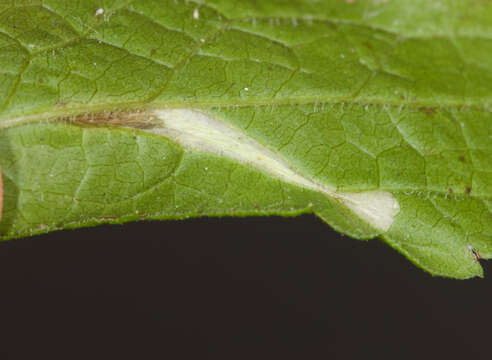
(373, 115)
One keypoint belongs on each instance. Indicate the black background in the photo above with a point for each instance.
(257, 288)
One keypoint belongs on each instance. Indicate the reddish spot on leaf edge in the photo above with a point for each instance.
(1, 193)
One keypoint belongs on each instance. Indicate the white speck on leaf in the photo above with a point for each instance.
(99, 11)
(196, 14)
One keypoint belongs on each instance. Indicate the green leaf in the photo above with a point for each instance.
(373, 115)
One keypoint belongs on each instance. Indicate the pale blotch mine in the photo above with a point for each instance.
(197, 131)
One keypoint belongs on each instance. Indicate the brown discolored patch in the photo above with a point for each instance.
(467, 191)
(153, 52)
(133, 119)
(427, 110)
(462, 159)
(451, 191)
(368, 45)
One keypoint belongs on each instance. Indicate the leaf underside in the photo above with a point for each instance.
(364, 96)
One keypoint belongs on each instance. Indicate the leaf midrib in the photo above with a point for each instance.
(6, 121)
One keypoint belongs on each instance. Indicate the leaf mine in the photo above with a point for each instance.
(196, 131)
